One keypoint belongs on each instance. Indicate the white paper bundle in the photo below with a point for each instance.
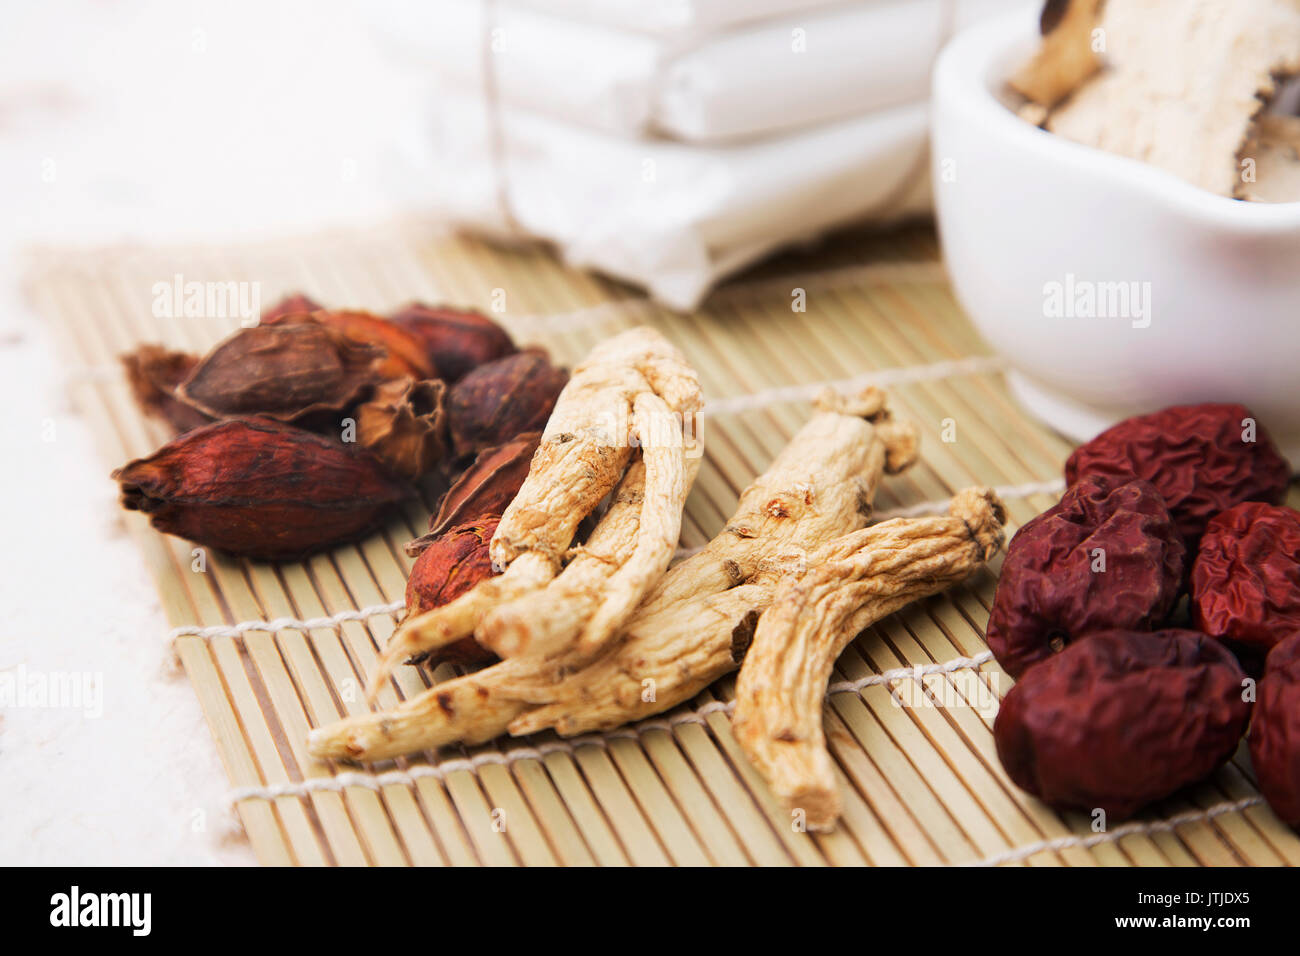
(768, 77)
(671, 217)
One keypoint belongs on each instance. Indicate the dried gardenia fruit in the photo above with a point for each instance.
(502, 399)
(295, 303)
(485, 488)
(283, 371)
(259, 488)
(1203, 459)
(1105, 556)
(455, 340)
(154, 373)
(1122, 719)
(451, 564)
(403, 425)
(404, 356)
(1275, 731)
(1246, 580)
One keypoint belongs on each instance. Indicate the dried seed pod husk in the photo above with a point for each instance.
(403, 424)
(858, 580)
(404, 352)
(502, 399)
(406, 355)
(287, 372)
(154, 373)
(456, 340)
(259, 488)
(692, 628)
(451, 563)
(485, 488)
(295, 303)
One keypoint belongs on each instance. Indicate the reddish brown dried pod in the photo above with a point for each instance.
(154, 374)
(1107, 555)
(1275, 731)
(1202, 458)
(283, 371)
(1246, 579)
(403, 424)
(259, 488)
(404, 355)
(485, 488)
(456, 340)
(502, 399)
(451, 564)
(295, 303)
(1122, 719)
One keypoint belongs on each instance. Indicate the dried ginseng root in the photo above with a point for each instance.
(634, 390)
(858, 580)
(695, 624)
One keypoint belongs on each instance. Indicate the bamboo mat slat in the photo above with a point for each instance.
(914, 754)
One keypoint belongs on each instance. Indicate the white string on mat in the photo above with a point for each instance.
(1168, 825)
(438, 771)
(285, 623)
(975, 365)
(686, 715)
(1053, 486)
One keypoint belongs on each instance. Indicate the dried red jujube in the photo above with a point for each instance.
(1105, 556)
(1246, 579)
(456, 340)
(1202, 458)
(1275, 731)
(259, 488)
(1122, 719)
(502, 399)
(450, 564)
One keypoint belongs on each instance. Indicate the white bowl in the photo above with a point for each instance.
(1021, 210)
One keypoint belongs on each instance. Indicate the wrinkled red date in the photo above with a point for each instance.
(1275, 731)
(1246, 579)
(1106, 556)
(1122, 719)
(1202, 458)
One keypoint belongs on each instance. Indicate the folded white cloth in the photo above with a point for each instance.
(680, 19)
(770, 77)
(671, 217)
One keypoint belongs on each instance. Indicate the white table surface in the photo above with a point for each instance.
(147, 120)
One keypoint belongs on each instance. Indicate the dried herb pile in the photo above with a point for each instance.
(301, 432)
(1127, 692)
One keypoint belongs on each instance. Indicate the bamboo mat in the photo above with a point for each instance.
(909, 722)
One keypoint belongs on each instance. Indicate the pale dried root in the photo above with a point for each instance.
(1065, 58)
(449, 623)
(581, 457)
(858, 580)
(694, 627)
(628, 551)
